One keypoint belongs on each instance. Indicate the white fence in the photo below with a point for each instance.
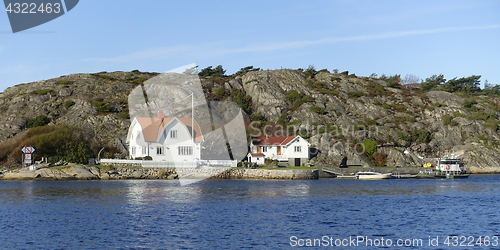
(181, 164)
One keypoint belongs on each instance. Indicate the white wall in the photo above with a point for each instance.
(286, 151)
(136, 138)
(170, 145)
(289, 151)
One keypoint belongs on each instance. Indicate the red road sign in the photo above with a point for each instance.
(28, 151)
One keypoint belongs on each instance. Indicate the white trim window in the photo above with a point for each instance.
(264, 149)
(144, 150)
(133, 150)
(297, 149)
(160, 151)
(173, 134)
(185, 150)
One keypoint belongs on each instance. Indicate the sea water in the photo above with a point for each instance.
(260, 214)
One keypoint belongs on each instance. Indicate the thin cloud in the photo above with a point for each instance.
(214, 49)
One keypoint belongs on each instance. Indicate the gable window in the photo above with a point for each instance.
(133, 150)
(160, 150)
(185, 150)
(264, 149)
(297, 149)
(144, 150)
(173, 134)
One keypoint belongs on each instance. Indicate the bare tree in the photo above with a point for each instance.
(410, 78)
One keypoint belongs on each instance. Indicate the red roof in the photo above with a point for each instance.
(152, 127)
(272, 140)
(257, 154)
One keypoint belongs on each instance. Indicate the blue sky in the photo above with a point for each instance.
(454, 38)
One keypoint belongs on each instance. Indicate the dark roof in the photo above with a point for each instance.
(272, 140)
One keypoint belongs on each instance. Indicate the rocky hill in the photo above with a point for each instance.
(341, 115)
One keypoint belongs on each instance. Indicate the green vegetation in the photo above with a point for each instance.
(321, 87)
(439, 105)
(217, 72)
(297, 99)
(101, 106)
(392, 81)
(124, 115)
(308, 98)
(446, 119)
(283, 119)
(68, 104)
(220, 92)
(458, 114)
(375, 90)
(490, 89)
(370, 122)
(317, 109)
(42, 91)
(492, 124)
(370, 147)
(56, 142)
(469, 104)
(245, 70)
(139, 80)
(257, 117)
(243, 100)
(465, 84)
(65, 82)
(310, 71)
(416, 135)
(293, 95)
(355, 94)
(432, 82)
(294, 122)
(40, 120)
(482, 115)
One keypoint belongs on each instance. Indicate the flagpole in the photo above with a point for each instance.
(192, 115)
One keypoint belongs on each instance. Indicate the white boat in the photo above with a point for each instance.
(371, 175)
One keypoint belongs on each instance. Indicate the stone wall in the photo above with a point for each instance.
(268, 174)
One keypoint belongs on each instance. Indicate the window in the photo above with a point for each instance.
(297, 149)
(159, 151)
(144, 150)
(133, 150)
(264, 149)
(185, 150)
(173, 134)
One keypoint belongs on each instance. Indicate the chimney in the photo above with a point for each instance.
(160, 114)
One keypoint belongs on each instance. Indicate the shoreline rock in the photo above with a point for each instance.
(80, 172)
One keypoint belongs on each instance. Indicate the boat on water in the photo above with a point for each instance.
(372, 175)
(446, 168)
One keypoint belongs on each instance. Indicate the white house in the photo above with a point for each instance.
(291, 149)
(165, 139)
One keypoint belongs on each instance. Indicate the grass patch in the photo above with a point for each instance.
(317, 109)
(68, 104)
(41, 91)
(65, 82)
(458, 114)
(355, 94)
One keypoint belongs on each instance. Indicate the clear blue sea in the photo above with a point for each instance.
(264, 214)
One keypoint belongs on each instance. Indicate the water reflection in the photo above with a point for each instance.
(234, 213)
